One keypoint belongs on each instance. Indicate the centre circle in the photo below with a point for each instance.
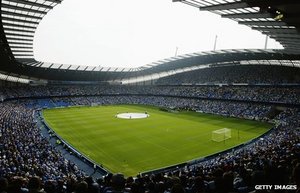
(132, 115)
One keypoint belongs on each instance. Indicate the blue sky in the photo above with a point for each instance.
(132, 33)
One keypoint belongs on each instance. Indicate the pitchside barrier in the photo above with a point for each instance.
(221, 134)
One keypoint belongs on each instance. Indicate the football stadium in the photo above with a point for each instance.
(219, 121)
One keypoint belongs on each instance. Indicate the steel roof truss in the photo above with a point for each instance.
(19, 39)
(25, 15)
(20, 47)
(18, 25)
(263, 23)
(31, 3)
(247, 15)
(11, 19)
(17, 35)
(8, 6)
(234, 5)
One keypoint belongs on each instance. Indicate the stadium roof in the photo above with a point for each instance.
(20, 18)
(279, 19)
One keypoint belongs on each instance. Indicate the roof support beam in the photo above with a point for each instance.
(54, 1)
(293, 48)
(18, 30)
(289, 43)
(17, 25)
(247, 15)
(270, 2)
(288, 39)
(18, 35)
(32, 3)
(32, 63)
(24, 61)
(21, 47)
(22, 9)
(191, 4)
(284, 35)
(17, 54)
(21, 15)
(18, 39)
(40, 64)
(18, 20)
(276, 30)
(36, 64)
(27, 61)
(225, 6)
(263, 23)
(22, 51)
(20, 43)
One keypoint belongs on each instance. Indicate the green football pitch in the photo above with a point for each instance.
(131, 146)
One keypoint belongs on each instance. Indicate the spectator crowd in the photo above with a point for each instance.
(274, 94)
(249, 74)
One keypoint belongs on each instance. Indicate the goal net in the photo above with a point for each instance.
(221, 134)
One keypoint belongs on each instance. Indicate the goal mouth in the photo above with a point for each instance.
(221, 134)
(132, 115)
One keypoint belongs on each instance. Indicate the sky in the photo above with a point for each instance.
(133, 33)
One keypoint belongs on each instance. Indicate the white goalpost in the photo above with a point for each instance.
(221, 134)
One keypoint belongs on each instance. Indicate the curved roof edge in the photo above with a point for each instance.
(20, 18)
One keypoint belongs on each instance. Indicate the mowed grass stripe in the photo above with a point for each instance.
(138, 145)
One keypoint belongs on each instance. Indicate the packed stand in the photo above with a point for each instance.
(272, 160)
(24, 151)
(250, 74)
(289, 95)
